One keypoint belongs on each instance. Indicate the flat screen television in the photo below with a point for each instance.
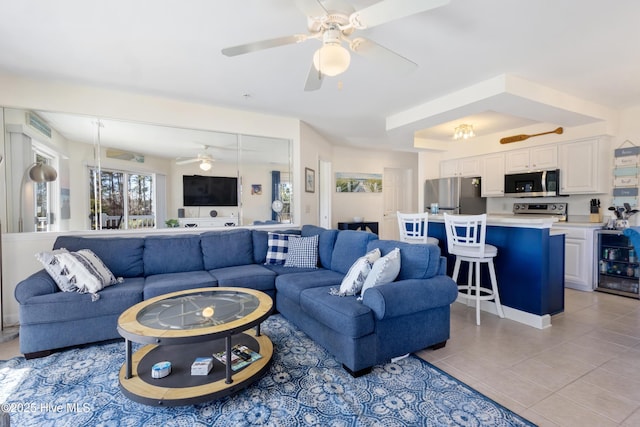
(198, 190)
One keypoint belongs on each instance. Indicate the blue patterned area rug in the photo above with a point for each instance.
(305, 386)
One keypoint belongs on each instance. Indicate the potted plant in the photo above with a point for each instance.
(171, 223)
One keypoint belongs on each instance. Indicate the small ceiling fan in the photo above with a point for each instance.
(204, 158)
(334, 22)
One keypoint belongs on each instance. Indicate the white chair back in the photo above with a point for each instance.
(466, 234)
(413, 227)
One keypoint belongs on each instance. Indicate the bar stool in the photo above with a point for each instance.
(466, 240)
(413, 228)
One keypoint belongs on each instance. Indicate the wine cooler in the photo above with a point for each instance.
(618, 264)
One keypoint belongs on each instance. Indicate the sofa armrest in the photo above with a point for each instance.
(39, 283)
(410, 296)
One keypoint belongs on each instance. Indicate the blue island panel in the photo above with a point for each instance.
(529, 267)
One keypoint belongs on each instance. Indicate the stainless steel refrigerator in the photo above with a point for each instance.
(455, 195)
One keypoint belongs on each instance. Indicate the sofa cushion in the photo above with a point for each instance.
(350, 245)
(226, 248)
(70, 306)
(357, 274)
(159, 284)
(277, 248)
(251, 276)
(303, 252)
(418, 261)
(122, 255)
(326, 241)
(281, 269)
(172, 254)
(384, 270)
(290, 285)
(345, 315)
(260, 243)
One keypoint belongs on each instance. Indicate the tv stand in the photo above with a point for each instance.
(219, 221)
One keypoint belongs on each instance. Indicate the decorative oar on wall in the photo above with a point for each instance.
(522, 137)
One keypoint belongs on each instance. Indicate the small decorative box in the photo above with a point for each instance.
(202, 366)
(161, 369)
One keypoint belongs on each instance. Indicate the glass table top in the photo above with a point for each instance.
(198, 310)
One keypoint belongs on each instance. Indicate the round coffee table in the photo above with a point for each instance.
(181, 326)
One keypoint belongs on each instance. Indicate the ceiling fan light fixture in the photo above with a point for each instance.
(205, 165)
(463, 132)
(331, 59)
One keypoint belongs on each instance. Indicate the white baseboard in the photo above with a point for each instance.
(578, 286)
(533, 320)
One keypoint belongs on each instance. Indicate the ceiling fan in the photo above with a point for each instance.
(205, 159)
(334, 22)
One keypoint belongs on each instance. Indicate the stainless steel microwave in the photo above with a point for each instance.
(532, 184)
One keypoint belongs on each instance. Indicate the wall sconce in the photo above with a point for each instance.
(463, 132)
(36, 172)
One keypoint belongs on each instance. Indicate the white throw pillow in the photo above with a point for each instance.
(84, 271)
(52, 265)
(384, 270)
(358, 272)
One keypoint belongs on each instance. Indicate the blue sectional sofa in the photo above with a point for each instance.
(393, 319)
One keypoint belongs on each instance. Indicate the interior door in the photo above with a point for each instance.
(397, 188)
(324, 188)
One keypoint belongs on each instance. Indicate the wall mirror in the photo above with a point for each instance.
(69, 172)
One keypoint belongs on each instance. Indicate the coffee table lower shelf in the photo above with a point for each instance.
(181, 388)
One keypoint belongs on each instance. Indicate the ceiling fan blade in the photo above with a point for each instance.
(264, 44)
(312, 8)
(390, 10)
(314, 79)
(186, 161)
(385, 58)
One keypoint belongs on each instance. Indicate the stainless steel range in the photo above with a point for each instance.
(558, 210)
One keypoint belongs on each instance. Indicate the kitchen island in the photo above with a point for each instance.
(529, 265)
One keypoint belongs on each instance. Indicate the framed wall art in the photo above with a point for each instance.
(309, 180)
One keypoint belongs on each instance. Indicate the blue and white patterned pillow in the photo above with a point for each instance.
(82, 271)
(357, 274)
(303, 252)
(277, 248)
(52, 265)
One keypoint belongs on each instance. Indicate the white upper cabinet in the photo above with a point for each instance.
(493, 175)
(529, 159)
(469, 166)
(582, 170)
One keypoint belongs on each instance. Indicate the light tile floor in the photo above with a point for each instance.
(582, 371)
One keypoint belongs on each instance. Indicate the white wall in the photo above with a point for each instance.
(314, 147)
(360, 160)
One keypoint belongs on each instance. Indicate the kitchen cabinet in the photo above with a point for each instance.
(538, 158)
(493, 175)
(582, 167)
(469, 166)
(578, 257)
